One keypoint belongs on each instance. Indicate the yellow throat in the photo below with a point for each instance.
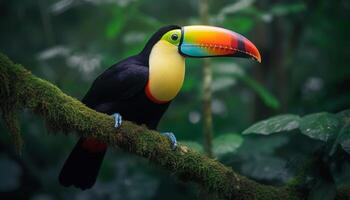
(166, 72)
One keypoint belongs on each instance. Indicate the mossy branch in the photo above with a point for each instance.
(20, 89)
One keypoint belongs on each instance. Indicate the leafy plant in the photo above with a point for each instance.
(331, 165)
(275, 124)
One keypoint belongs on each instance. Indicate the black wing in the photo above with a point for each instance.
(120, 82)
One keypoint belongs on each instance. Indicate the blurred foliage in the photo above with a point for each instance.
(304, 47)
(226, 143)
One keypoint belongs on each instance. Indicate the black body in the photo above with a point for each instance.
(120, 89)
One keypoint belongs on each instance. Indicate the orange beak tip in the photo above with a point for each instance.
(254, 53)
(258, 59)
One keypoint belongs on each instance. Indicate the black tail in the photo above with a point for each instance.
(82, 166)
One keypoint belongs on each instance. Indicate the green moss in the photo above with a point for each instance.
(12, 124)
(343, 193)
(9, 101)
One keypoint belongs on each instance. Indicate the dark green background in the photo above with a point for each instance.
(305, 52)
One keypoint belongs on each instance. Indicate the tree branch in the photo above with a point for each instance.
(20, 89)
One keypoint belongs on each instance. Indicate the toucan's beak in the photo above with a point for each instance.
(210, 41)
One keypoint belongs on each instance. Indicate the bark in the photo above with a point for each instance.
(19, 89)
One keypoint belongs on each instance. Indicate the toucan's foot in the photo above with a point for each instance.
(172, 139)
(117, 120)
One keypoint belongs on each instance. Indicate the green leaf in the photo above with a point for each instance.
(189, 84)
(235, 7)
(269, 100)
(322, 190)
(115, 26)
(320, 126)
(344, 115)
(240, 24)
(284, 9)
(258, 157)
(222, 83)
(227, 143)
(228, 69)
(120, 19)
(340, 170)
(264, 167)
(193, 145)
(275, 124)
(344, 138)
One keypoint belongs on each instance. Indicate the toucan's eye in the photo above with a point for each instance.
(174, 37)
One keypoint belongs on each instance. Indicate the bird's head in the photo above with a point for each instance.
(206, 41)
(166, 49)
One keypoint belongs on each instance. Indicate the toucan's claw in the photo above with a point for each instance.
(171, 138)
(117, 120)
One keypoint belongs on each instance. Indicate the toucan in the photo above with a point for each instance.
(141, 87)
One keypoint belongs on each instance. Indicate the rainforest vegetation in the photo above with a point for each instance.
(279, 129)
